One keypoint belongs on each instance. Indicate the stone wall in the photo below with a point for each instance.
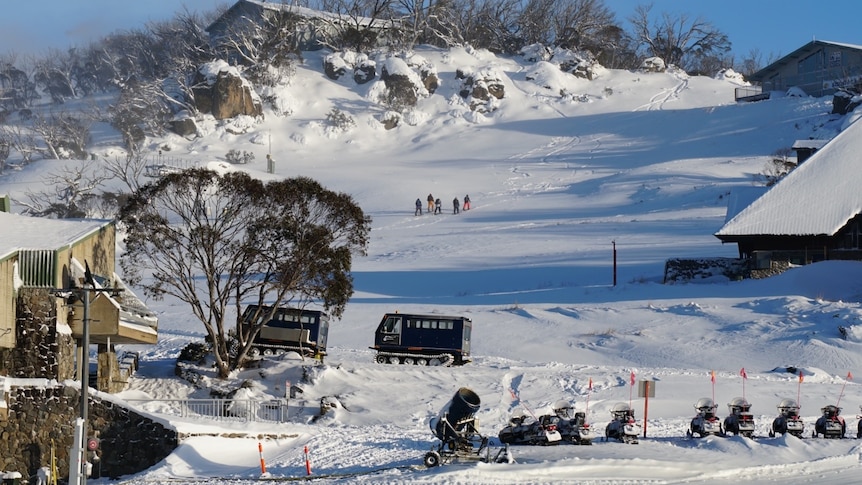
(40, 416)
(40, 351)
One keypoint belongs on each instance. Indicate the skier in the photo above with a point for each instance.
(455, 205)
(418, 211)
(467, 202)
(438, 206)
(430, 203)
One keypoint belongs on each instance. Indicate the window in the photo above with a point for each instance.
(392, 325)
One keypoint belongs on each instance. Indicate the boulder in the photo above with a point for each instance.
(653, 64)
(224, 93)
(334, 66)
(403, 86)
(184, 127)
(365, 72)
(844, 102)
(233, 97)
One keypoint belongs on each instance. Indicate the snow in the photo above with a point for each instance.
(640, 163)
(39, 233)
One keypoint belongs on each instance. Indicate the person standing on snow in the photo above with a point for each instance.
(438, 206)
(430, 203)
(418, 211)
(467, 202)
(455, 205)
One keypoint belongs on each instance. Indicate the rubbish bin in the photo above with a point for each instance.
(11, 478)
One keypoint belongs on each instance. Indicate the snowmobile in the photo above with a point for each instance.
(740, 421)
(623, 427)
(788, 420)
(705, 422)
(572, 425)
(455, 427)
(830, 424)
(524, 430)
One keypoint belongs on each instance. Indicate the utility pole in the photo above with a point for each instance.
(78, 465)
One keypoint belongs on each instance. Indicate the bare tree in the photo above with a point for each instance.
(64, 136)
(69, 193)
(129, 170)
(679, 40)
(217, 242)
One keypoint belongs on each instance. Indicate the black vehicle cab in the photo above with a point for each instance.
(403, 338)
(289, 330)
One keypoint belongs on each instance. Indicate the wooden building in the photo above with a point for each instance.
(812, 214)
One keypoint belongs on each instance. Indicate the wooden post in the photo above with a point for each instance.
(646, 404)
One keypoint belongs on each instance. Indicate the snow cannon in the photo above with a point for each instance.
(455, 427)
(457, 415)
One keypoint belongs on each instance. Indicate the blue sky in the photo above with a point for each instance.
(772, 26)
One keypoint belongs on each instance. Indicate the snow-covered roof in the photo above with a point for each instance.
(817, 198)
(316, 14)
(815, 144)
(23, 232)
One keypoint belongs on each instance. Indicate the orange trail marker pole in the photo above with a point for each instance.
(307, 462)
(262, 464)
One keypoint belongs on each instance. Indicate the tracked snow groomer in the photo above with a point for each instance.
(623, 426)
(705, 422)
(455, 427)
(740, 421)
(831, 424)
(433, 340)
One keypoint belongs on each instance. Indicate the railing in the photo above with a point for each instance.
(241, 410)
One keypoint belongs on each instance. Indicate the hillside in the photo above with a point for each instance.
(636, 161)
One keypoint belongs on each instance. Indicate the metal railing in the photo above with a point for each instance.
(240, 410)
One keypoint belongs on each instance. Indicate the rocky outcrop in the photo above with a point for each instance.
(403, 86)
(221, 90)
(844, 102)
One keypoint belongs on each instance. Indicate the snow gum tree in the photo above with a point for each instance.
(219, 242)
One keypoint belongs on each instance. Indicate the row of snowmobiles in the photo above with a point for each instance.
(459, 439)
(740, 421)
(568, 426)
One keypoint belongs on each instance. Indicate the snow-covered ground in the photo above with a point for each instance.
(643, 163)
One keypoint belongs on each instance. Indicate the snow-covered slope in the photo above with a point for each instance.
(636, 162)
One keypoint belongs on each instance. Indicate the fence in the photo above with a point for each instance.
(240, 410)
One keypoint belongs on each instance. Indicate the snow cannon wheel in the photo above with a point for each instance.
(432, 459)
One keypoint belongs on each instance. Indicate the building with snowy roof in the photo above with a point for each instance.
(307, 29)
(812, 214)
(819, 68)
(43, 263)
